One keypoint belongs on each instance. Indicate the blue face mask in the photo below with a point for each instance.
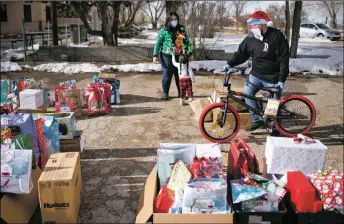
(174, 23)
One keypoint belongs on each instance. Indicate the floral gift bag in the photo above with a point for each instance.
(16, 171)
(98, 98)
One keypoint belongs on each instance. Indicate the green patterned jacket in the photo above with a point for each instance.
(164, 42)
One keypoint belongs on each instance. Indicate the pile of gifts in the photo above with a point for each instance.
(191, 179)
(9, 96)
(254, 193)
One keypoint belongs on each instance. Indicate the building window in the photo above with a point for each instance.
(3, 13)
(47, 13)
(27, 13)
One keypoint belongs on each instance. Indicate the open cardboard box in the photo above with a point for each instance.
(145, 208)
(19, 208)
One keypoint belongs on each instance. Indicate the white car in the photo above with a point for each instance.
(312, 30)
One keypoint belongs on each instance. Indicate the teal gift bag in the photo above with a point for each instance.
(5, 90)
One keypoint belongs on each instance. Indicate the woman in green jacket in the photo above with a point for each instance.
(163, 49)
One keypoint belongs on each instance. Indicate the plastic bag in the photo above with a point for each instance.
(242, 192)
(180, 176)
(164, 200)
(205, 196)
(170, 155)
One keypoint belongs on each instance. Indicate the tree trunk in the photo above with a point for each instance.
(287, 20)
(334, 21)
(116, 9)
(296, 29)
(155, 25)
(54, 23)
(109, 39)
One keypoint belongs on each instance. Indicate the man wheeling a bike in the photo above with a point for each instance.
(269, 50)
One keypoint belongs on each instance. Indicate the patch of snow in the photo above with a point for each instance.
(151, 34)
(67, 68)
(17, 53)
(79, 45)
(315, 40)
(140, 67)
(10, 67)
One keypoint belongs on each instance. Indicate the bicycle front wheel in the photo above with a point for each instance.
(210, 123)
(296, 115)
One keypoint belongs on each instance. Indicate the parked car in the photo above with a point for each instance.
(312, 30)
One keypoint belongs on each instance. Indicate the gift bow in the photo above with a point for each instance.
(323, 172)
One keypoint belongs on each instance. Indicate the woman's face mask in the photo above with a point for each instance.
(174, 23)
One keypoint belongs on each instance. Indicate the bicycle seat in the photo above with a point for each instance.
(271, 89)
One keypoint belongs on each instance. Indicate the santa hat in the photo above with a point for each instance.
(270, 24)
(259, 17)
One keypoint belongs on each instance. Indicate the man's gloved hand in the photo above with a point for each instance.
(226, 68)
(280, 85)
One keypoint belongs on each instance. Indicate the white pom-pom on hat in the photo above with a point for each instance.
(270, 24)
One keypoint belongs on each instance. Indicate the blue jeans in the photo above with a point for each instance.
(252, 86)
(168, 70)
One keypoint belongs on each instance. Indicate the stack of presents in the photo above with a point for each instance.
(41, 147)
(197, 183)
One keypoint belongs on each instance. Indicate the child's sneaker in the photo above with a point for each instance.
(190, 100)
(181, 102)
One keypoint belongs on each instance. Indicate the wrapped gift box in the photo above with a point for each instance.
(67, 123)
(31, 98)
(329, 184)
(283, 155)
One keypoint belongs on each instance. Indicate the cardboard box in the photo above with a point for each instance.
(67, 122)
(19, 208)
(146, 201)
(72, 145)
(198, 106)
(60, 187)
(245, 118)
(42, 109)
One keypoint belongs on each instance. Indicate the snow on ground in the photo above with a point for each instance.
(17, 53)
(10, 67)
(67, 67)
(315, 40)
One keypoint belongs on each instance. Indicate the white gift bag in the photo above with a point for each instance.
(169, 154)
(16, 171)
(205, 195)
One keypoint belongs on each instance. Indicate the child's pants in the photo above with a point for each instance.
(185, 87)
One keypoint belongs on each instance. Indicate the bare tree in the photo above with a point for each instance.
(53, 10)
(333, 7)
(239, 6)
(296, 29)
(287, 20)
(128, 12)
(276, 14)
(172, 6)
(154, 11)
(108, 13)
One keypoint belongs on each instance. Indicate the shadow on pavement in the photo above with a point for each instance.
(328, 135)
(134, 99)
(112, 181)
(299, 93)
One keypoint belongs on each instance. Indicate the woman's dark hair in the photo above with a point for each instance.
(167, 25)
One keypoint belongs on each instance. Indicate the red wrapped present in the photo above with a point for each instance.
(164, 200)
(240, 157)
(303, 194)
(64, 106)
(98, 98)
(329, 184)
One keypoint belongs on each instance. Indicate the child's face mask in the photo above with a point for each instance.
(174, 23)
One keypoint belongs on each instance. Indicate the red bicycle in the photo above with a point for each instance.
(294, 114)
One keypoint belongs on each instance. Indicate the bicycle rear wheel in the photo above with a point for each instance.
(210, 119)
(296, 115)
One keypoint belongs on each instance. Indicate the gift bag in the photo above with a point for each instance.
(25, 123)
(5, 90)
(205, 195)
(240, 157)
(64, 106)
(179, 177)
(24, 142)
(98, 98)
(169, 155)
(16, 171)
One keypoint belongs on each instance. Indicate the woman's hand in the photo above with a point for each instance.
(155, 60)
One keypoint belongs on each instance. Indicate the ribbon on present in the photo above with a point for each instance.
(6, 136)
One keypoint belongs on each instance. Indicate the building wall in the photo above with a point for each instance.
(15, 15)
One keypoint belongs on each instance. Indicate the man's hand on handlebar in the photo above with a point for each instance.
(226, 69)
